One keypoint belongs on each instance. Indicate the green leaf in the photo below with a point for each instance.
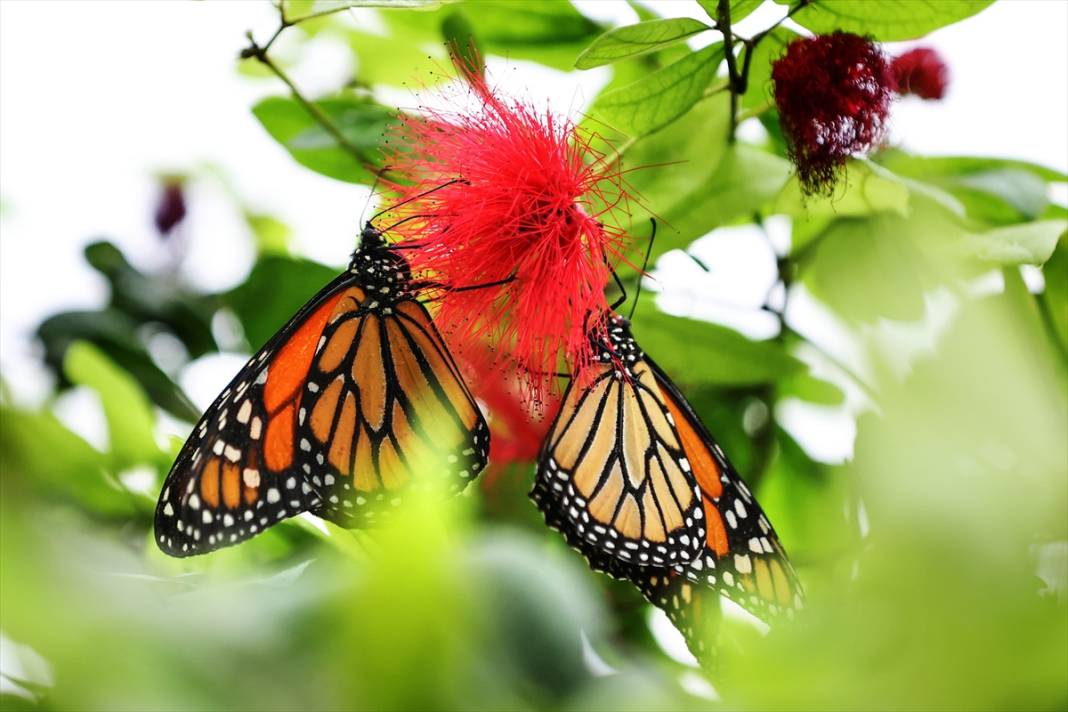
(1030, 243)
(153, 299)
(811, 389)
(992, 190)
(740, 9)
(700, 352)
(129, 414)
(759, 90)
(551, 32)
(114, 333)
(867, 188)
(39, 448)
(1055, 297)
(868, 268)
(886, 20)
(462, 43)
(667, 165)
(297, 10)
(275, 290)
(272, 235)
(745, 180)
(639, 39)
(663, 96)
(360, 121)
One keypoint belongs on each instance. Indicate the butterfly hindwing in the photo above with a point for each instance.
(742, 556)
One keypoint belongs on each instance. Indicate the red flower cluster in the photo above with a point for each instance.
(922, 72)
(833, 93)
(512, 196)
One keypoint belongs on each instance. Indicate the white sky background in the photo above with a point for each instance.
(96, 98)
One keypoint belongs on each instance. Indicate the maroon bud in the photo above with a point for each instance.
(922, 72)
(833, 93)
(170, 207)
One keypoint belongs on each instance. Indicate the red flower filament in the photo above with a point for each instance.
(833, 93)
(512, 194)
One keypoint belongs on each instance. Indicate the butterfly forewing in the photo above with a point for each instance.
(237, 473)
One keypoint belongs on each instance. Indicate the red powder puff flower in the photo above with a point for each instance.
(833, 93)
(922, 72)
(504, 193)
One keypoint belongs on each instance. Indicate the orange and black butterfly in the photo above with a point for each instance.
(633, 479)
(336, 415)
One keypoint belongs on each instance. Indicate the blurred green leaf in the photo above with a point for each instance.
(38, 451)
(760, 90)
(697, 352)
(886, 20)
(745, 180)
(639, 39)
(114, 333)
(551, 32)
(1030, 243)
(992, 190)
(129, 414)
(155, 298)
(275, 290)
(672, 163)
(1055, 297)
(809, 503)
(361, 121)
(868, 268)
(740, 9)
(297, 10)
(663, 96)
(460, 38)
(866, 188)
(272, 235)
(809, 388)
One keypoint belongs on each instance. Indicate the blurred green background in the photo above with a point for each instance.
(935, 557)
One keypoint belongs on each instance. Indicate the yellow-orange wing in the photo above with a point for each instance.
(612, 475)
(238, 473)
(386, 408)
(742, 555)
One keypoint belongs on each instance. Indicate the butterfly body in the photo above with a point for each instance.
(354, 401)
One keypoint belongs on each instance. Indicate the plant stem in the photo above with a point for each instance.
(723, 22)
(255, 51)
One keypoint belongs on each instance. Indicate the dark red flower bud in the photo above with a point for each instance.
(170, 207)
(833, 93)
(922, 72)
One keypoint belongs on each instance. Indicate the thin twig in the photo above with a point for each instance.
(259, 53)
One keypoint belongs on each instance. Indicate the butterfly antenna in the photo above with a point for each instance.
(415, 197)
(378, 177)
(641, 274)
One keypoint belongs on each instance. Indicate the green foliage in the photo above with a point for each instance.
(663, 96)
(128, 412)
(886, 20)
(275, 289)
(636, 40)
(360, 121)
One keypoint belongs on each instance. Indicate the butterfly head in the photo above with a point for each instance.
(382, 270)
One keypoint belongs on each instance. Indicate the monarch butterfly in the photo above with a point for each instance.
(354, 397)
(603, 478)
